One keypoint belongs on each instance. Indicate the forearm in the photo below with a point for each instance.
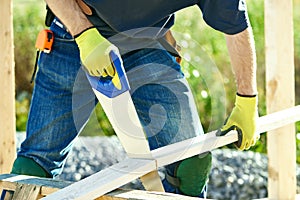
(242, 54)
(71, 15)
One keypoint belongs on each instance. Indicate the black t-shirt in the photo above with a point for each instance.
(144, 19)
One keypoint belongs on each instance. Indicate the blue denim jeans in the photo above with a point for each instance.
(62, 101)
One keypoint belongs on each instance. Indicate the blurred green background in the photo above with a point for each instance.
(206, 65)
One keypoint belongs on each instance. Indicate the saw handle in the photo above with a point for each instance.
(107, 85)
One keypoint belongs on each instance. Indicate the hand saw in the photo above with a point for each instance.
(115, 99)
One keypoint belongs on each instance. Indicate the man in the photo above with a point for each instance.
(62, 100)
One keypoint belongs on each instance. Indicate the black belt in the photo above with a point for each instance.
(49, 17)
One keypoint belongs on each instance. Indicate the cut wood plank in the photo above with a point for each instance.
(188, 148)
(12, 182)
(144, 195)
(204, 143)
(106, 180)
(111, 178)
(278, 119)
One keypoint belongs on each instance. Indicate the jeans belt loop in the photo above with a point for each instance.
(59, 24)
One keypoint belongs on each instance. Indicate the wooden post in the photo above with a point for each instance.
(7, 89)
(280, 83)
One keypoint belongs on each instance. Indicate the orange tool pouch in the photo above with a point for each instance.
(43, 43)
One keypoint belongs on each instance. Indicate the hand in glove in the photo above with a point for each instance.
(94, 53)
(242, 119)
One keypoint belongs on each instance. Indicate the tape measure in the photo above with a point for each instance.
(44, 40)
(43, 43)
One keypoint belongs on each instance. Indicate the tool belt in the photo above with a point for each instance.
(167, 41)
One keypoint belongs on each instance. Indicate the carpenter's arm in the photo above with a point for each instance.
(69, 12)
(243, 60)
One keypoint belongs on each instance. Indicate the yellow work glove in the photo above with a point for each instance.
(242, 119)
(94, 53)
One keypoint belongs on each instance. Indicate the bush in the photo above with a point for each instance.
(28, 21)
(22, 109)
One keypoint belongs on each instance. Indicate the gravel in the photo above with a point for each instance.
(235, 175)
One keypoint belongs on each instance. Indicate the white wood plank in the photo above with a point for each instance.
(188, 148)
(7, 89)
(209, 141)
(106, 180)
(130, 169)
(280, 92)
(48, 186)
(144, 195)
(278, 119)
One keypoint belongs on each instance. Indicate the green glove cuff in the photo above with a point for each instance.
(27, 166)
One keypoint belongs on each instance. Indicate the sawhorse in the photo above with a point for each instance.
(21, 187)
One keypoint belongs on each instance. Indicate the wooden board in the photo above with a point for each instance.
(48, 185)
(278, 119)
(144, 195)
(30, 185)
(26, 192)
(7, 89)
(111, 178)
(106, 180)
(280, 90)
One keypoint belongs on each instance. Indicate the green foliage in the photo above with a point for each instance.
(22, 109)
(98, 124)
(297, 49)
(298, 141)
(28, 21)
(200, 46)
